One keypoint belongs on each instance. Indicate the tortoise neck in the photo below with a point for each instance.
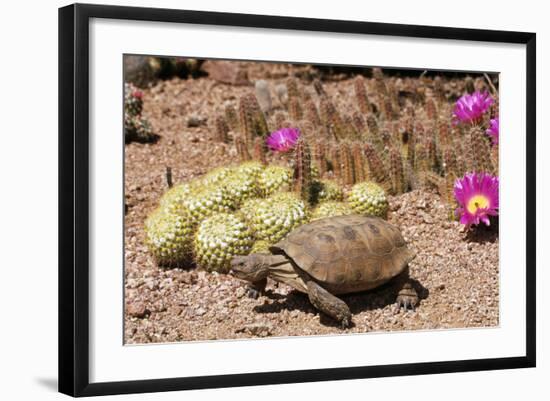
(275, 260)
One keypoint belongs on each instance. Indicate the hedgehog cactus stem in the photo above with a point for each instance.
(361, 95)
(319, 155)
(397, 174)
(376, 166)
(358, 162)
(346, 162)
(221, 129)
(242, 150)
(311, 113)
(302, 169)
(480, 149)
(335, 161)
(260, 150)
(294, 109)
(231, 117)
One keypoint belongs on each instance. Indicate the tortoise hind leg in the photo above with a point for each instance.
(328, 303)
(407, 297)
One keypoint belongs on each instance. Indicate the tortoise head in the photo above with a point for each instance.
(253, 267)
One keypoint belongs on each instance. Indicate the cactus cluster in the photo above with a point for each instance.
(169, 234)
(219, 238)
(276, 216)
(136, 126)
(368, 198)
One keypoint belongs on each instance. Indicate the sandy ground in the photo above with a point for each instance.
(458, 270)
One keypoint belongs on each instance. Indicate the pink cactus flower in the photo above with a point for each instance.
(492, 131)
(470, 108)
(137, 93)
(477, 197)
(283, 139)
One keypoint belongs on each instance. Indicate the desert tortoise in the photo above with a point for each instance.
(334, 255)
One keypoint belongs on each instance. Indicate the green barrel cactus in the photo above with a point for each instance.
(175, 195)
(219, 238)
(275, 179)
(240, 186)
(369, 199)
(331, 209)
(260, 246)
(329, 191)
(250, 168)
(169, 235)
(217, 176)
(275, 217)
(204, 201)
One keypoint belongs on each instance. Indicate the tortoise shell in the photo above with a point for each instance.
(347, 253)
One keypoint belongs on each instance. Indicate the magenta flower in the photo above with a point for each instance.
(492, 131)
(137, 93)
(477, 197)
(283, 140)
(470, 108)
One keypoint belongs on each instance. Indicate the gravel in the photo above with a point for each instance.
(458, 270)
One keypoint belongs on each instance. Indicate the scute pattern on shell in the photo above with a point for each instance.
(348, 252)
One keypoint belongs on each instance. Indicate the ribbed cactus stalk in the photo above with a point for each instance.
(359, 167)
(494, 158)
(480, 149)
(311, 113)
(386, 108)
(332, 119)
(319, 156)
(280, 120)
(251, 118)
(443, 138)
(318, 86)
(292, 88)
(242, 150)
(294, 109)
(221, 129)
(260, 150)
(469, 85)
(246, 120)
(439, 90)
(346, 161)
(431, 109)
(450, 164)
(231, 117)
(334, 158)
(396, 171)
(360, 125)
(361, 95)
(302, 169)
(377, 170)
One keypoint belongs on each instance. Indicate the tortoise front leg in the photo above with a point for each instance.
(328, 303)
(255, 289)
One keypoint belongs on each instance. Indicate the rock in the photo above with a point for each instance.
(200, 311)
(195, 120)
(240, 292)
(263, 95)
(227, 72)
(138, 310)
(151, 284)
(257, 329)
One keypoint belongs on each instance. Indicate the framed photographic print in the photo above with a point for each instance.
(249, 199)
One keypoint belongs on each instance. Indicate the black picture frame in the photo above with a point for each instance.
(74, 194)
